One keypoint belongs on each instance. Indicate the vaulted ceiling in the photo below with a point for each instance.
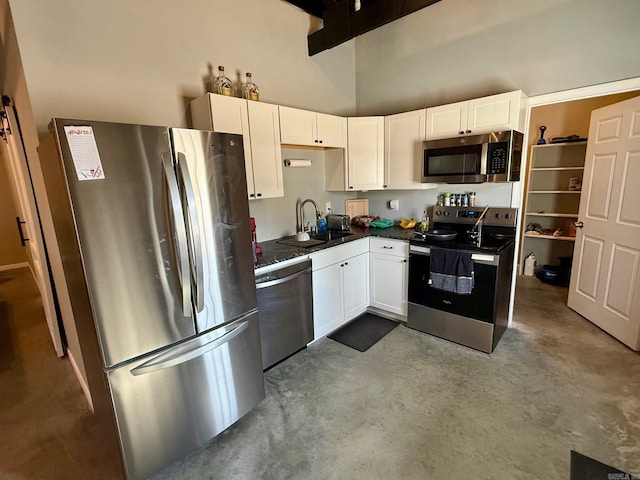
(346, 19)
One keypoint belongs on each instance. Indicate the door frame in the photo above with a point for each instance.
(517, 189)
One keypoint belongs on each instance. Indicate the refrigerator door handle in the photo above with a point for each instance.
(181, 233)
(190, 350)
(193, 224)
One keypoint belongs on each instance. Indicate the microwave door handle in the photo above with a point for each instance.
(182, 253)
(483, 158)
(194, 231)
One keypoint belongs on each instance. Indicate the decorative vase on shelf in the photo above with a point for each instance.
(250, 90)
(541, 140)
(223, 84)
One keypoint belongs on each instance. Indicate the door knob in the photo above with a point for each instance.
(578, 224)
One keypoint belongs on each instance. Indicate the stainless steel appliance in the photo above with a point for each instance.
(285, 309)
(152, 224)
(479, 319)
(339, 223)
(491, 157)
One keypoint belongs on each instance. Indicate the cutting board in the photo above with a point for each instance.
(357, 207)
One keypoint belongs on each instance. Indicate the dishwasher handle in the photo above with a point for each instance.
(278, 281)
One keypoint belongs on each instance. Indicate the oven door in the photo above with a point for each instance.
(480, 304)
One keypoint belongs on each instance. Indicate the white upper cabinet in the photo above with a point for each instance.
(259, 125)
(365, 153)
(264, 125)
(302, 127)
(504, 111)
(403, 150)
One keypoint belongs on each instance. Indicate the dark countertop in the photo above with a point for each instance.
(274, 252)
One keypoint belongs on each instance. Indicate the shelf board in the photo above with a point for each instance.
(560, 215)
(549, 169)
(562, 144)
(549, 237)
(555, 191)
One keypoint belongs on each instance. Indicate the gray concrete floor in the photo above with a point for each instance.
(413, 406)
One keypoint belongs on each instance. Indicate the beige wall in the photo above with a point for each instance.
(141, 61)
(460, 49)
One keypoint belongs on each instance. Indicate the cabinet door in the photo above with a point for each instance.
(265, 150)
(327, 300)
(403, 149)
(389, 283)
(365, 153)
(229, 114)
(355, 279)
(447, 120)
(494, 113)
(297, 127)
(331, 130)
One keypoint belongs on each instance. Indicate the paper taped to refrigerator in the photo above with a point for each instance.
(84, 153)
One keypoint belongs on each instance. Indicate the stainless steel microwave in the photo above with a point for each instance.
(490, 157)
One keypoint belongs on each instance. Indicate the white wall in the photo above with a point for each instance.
(276, 217)
(460, 49)
(141, 61)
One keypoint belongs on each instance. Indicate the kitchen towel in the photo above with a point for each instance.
(451, 271)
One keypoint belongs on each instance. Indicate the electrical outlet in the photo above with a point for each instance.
(327, 207)
(394, 204)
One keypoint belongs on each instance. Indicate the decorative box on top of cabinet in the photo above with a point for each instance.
(303, 127)
(259, 124)
(552, 200)
(504, 111)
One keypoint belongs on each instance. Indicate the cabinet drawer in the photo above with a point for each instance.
(339, 253)
(397, 248)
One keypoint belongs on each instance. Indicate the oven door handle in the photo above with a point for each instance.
(476, 257)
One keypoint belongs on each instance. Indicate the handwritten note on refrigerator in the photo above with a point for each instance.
(84, 152)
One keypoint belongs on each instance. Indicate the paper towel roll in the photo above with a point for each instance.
(296, 162)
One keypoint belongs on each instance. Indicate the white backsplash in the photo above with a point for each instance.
(414, 202)
(276, 217)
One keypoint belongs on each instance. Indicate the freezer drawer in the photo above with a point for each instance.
(170, 404)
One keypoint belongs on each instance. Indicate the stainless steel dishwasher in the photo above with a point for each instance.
(285, 310)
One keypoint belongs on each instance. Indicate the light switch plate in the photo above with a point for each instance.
(394, 204)
(327, 207)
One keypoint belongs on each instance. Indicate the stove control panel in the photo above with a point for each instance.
(496, 216)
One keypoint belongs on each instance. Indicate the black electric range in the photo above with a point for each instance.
(478, 319)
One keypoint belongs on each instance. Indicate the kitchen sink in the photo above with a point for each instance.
(330, 235)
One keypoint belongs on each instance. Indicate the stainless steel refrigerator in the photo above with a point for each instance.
(152, 225)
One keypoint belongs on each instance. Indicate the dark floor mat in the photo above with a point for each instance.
(364, 331)
(585, 468)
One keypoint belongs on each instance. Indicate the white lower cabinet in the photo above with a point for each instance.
(388, 275)
(340, 285)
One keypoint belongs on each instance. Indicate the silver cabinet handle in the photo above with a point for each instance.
(193, 224)
(578, 224)
(278, 281)
(189, 350)
(181, 233)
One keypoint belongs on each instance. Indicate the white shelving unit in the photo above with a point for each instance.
(549, 202)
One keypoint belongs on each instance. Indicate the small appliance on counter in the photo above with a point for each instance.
(340, 223)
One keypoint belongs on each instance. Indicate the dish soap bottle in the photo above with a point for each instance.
(424, 223)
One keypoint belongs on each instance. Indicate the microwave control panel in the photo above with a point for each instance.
(497, 158)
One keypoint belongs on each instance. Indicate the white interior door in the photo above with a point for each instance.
(605, 278)
(31, 227)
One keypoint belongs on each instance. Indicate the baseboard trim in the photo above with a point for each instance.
(385, 314)
(83, 382)
(14, 266)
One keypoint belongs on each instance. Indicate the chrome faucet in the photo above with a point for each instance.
(300, 213)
